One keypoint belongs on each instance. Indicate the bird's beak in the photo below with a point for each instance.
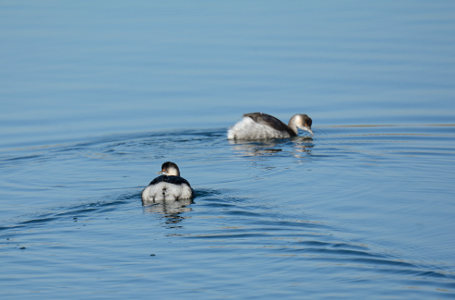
(162, 173)
(308, 129)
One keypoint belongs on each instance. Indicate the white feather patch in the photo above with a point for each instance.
(164, 191)
(247, 129)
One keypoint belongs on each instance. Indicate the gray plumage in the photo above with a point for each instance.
(271, 121)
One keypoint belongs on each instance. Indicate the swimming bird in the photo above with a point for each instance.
(260, 126)
(167, 187)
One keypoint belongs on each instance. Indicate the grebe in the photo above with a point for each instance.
(167, 187)
(259, 126)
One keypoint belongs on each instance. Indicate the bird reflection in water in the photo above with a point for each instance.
(171, 210)
(301, 145)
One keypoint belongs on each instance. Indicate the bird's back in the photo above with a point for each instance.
(271, 121)
(167, 188)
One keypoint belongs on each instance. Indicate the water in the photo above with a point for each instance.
(94, 97)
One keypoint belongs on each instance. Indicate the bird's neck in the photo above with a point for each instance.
(293, 126)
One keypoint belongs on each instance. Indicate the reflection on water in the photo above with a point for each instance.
(90, 93)
(301, 145)
(171, 210)
(332, 223)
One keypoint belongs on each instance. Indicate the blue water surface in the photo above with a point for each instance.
(94, 96)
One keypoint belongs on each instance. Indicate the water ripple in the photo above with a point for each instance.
(72, 212)
(289, 229)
